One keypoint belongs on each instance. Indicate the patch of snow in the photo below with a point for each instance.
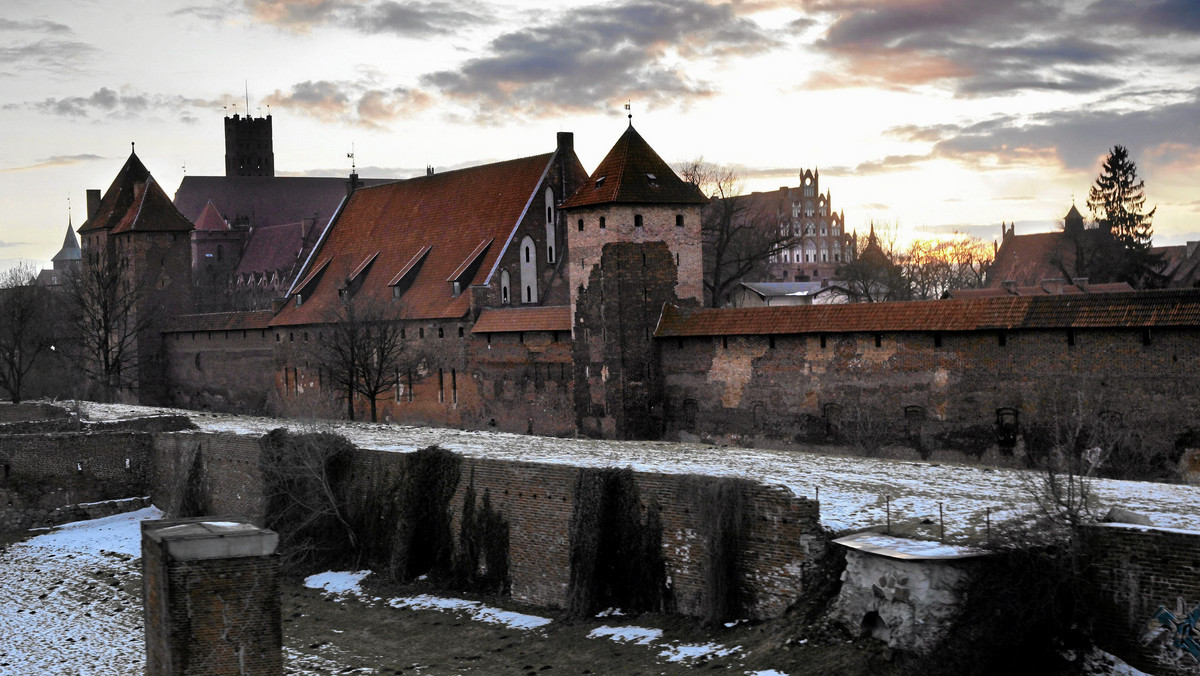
(913, 547)
(637, 635)
(474, 609)
(1099, 663)
(767, 672)
(337, 582)
(690, 652)
(610, 612)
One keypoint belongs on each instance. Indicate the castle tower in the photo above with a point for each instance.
(70, 255)
(633, 232)
(1073, 221)
(249, 149)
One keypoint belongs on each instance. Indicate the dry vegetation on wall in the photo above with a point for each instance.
(481, 560)
(616, 553)
(423, 543)
(724, 519)
(304, 478)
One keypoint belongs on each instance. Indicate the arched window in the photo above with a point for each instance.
(810, 252)
(505, 285)
(837, 252)
(529, 290)
(220, 253)
(824, 253)
(551, 244)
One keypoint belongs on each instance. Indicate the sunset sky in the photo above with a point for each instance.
(942, 114)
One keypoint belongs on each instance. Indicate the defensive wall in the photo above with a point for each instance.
(987, 379)
(970, 377)
(221, 475)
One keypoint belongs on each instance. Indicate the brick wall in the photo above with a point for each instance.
(1133, 571)
(40, 473)
(537, 500)
(217, 474)
(742, 388)
(221, 370)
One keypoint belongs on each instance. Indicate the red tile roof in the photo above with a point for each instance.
(451, 212)
(549, 318)
(135, 202)
(265, 200)
(271, 248)
(1027, 259)
(210, 219)
(218, 321)
(632, 173)
(1045, 289)
(1116, 310)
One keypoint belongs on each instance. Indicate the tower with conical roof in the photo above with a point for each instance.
(69, 256)
(635, 196)
(1073, 221)
(633, 232)
(137, 236)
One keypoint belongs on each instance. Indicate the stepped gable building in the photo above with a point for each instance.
(805, 212)
(136, 227)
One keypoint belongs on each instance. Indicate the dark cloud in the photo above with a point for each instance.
(974, 47)
(1152, 18)
(350, 102)
(48, 54)
(35, 25)
(405, 18)
(591, 57)
(122, 104)
(1073, 138)
(5, 245)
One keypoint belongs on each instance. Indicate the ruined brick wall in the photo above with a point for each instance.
(928, 390)
(1133, 571)
(537, 500)
(618, 384)
(209, 474)
(27, 411)
(220, 370)
(40, 473)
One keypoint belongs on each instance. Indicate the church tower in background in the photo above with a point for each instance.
(248, 146)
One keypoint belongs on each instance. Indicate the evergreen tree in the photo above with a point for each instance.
(1117, 200)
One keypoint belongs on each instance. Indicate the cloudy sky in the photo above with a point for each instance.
(943, 114)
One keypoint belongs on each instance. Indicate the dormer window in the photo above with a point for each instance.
(600, 182)
(652, 180)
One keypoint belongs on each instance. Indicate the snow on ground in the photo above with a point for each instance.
(343, 582)
(638, 635)
(473, 609)
(852, 490)
(692, 652)
(67, 606)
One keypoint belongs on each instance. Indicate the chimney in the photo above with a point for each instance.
(93, 202)
(429, 170)
(566, 142)
(1053, 287)
(352, 184)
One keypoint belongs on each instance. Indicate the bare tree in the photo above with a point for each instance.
(936, 265)
(363, 349)
(26, 326)
(108, 312)
(874, 273)
(739, 236)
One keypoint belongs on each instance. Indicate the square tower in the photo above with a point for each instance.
(249, 150)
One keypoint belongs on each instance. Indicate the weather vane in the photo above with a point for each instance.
(630, 113)
(351, 156)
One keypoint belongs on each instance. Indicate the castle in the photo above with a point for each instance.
(547, 300)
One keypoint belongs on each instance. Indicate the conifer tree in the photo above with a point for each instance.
(1117, 201)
